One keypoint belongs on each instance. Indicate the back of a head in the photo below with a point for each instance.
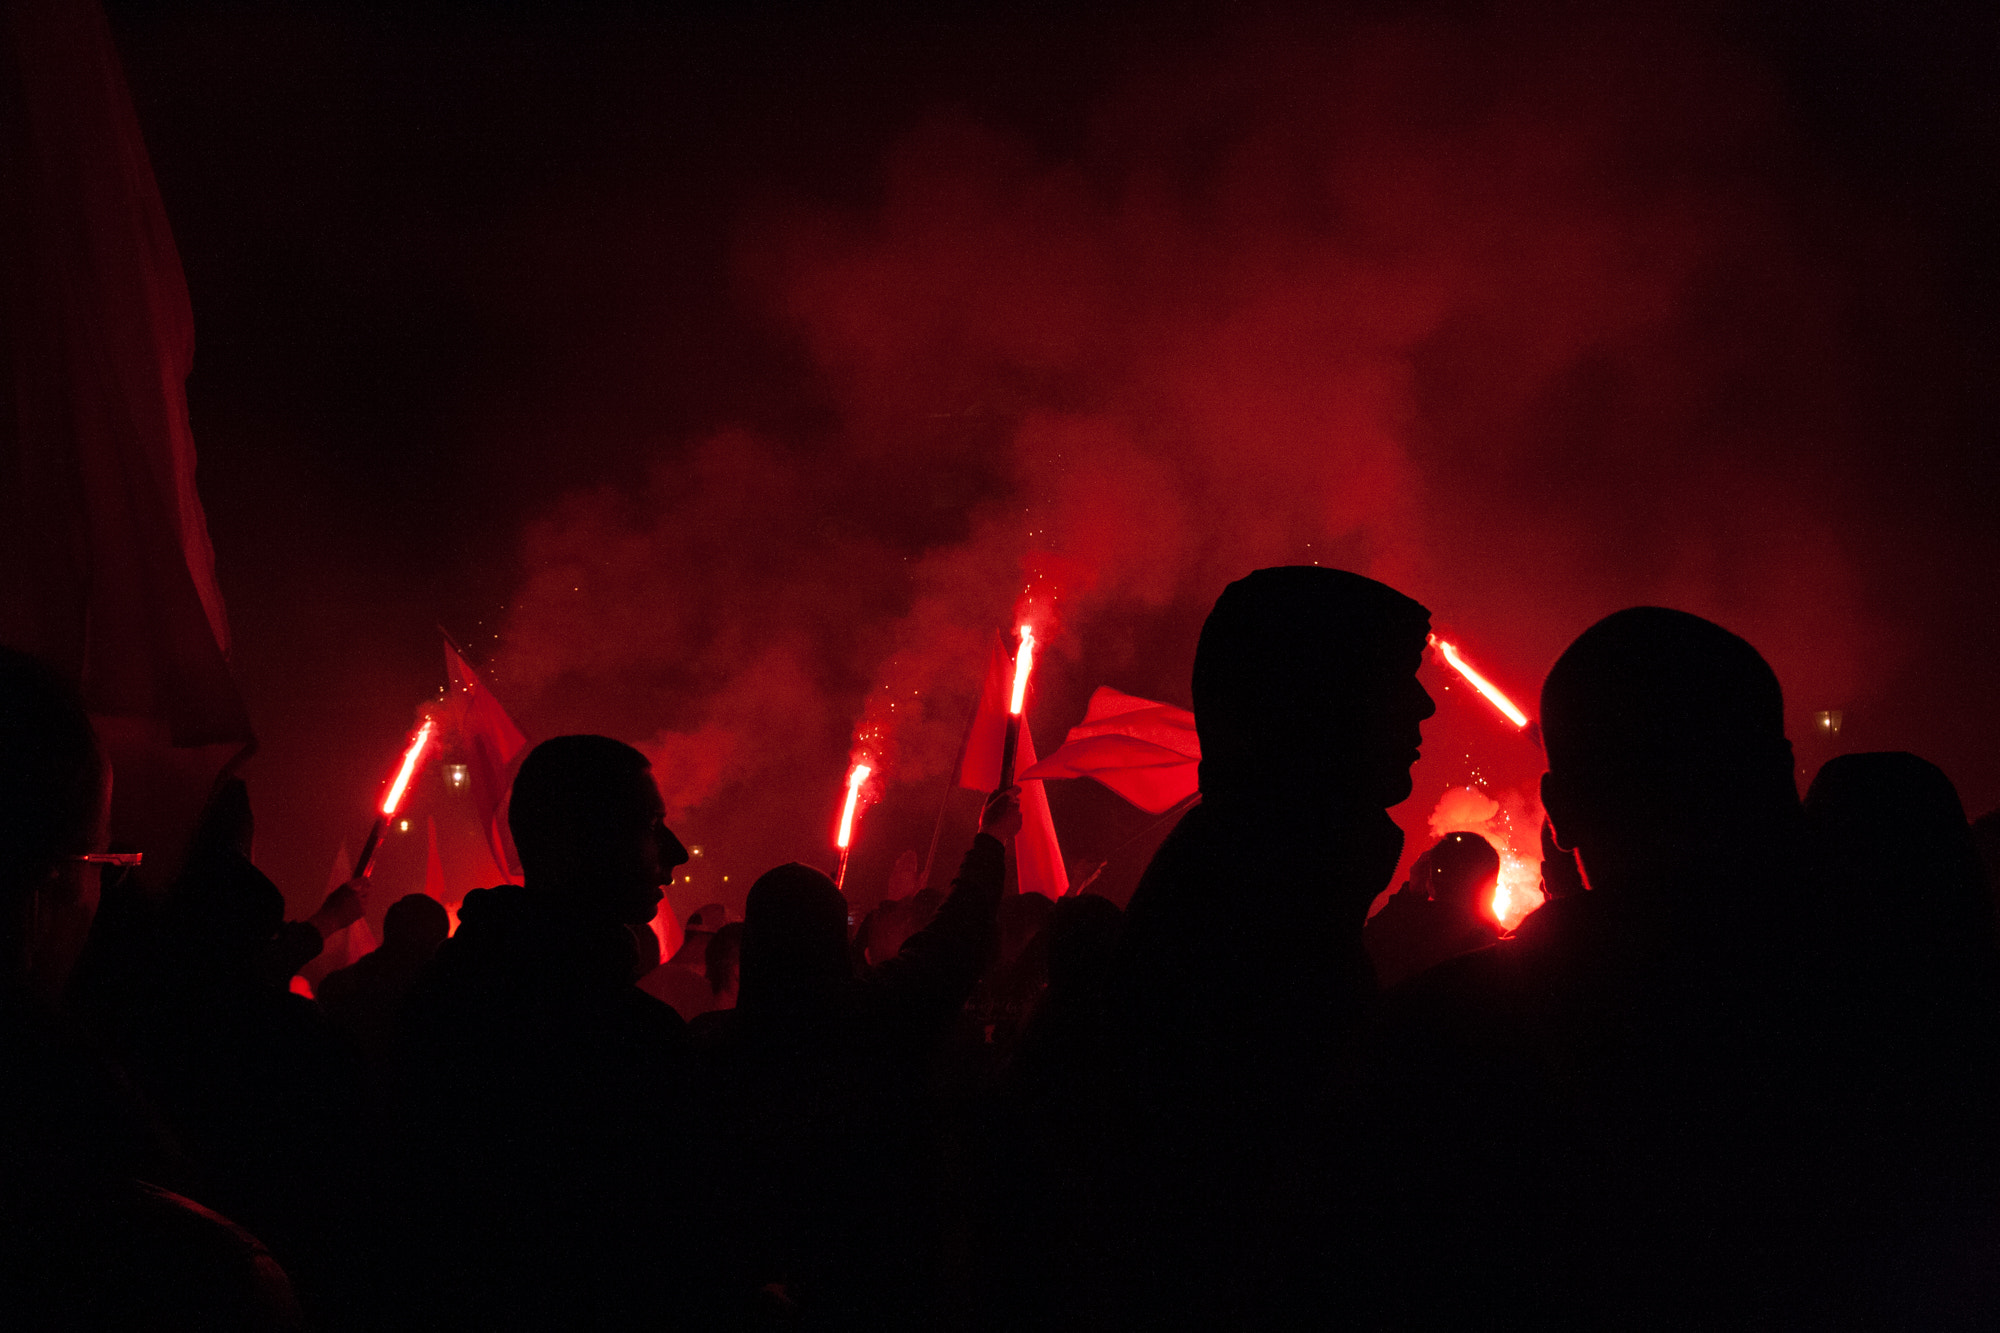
(415, 923)
(1664, 699)
(227, 823)
(1666, 729)
(571, 799)
(1083, 942)
(1892, 821)
(225, 910)
(794, 949)
(1304, 674)
(1022, 917)
(1463, 868)
(53, 776)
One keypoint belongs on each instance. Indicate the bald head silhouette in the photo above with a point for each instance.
(588, 823)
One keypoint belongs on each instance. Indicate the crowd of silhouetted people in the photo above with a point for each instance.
(1741, 1069)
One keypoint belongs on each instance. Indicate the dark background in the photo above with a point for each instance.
(796, 342)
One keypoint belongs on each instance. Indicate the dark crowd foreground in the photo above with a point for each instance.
(1739, 1071)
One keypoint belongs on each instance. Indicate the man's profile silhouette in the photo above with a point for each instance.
(1242, 984)
(538, 1086)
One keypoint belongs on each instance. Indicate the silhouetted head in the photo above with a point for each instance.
(225, 911)
(1083, 942)
(415, 924)
(1986, 837)
(1460, 873)
(1305, 681)
(1891, 825)
(1666, 745)
(1022, 917)
(227, 823)
(588, 822)
(794, 940)
(55, 802)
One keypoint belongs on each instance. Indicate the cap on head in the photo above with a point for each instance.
(1891, 816)
(1656, 699)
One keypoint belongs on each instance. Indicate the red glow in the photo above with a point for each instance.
(1519, 891)
(1024, 662)
(408, 770)
(1480, 683)
(854, 781)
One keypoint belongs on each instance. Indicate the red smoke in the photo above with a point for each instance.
(1530, 318)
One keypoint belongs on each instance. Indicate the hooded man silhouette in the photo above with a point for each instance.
(1242, 982)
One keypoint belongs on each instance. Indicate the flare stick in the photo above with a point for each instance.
(845, 837)
(392, 799)
(1024, 663)
(1480, 683)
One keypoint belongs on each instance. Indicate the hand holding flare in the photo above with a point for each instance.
(1001, 818)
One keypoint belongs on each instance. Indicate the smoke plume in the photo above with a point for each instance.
(1531, 317)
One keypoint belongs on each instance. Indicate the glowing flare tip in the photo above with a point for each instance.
(854, 781)
(1024, 662)
(1480, 683)
(408, 770)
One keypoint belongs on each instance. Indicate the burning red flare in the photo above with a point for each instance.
(411, 757)
(1480, 683)
(854, 781)
(1024, 662)
(1519, 890)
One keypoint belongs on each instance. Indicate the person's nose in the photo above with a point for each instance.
(672, 853)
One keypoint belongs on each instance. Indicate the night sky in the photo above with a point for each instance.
(721, 375)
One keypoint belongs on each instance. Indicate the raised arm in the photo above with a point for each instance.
(935, 970)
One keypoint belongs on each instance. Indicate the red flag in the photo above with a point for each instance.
(490, 743)
(110, 575)
(668, 930)
(434, 864)
(1147, 752)
(1037, 855)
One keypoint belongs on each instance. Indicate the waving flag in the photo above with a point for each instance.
(109, 573)
(1147, 752)
(489, 743)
